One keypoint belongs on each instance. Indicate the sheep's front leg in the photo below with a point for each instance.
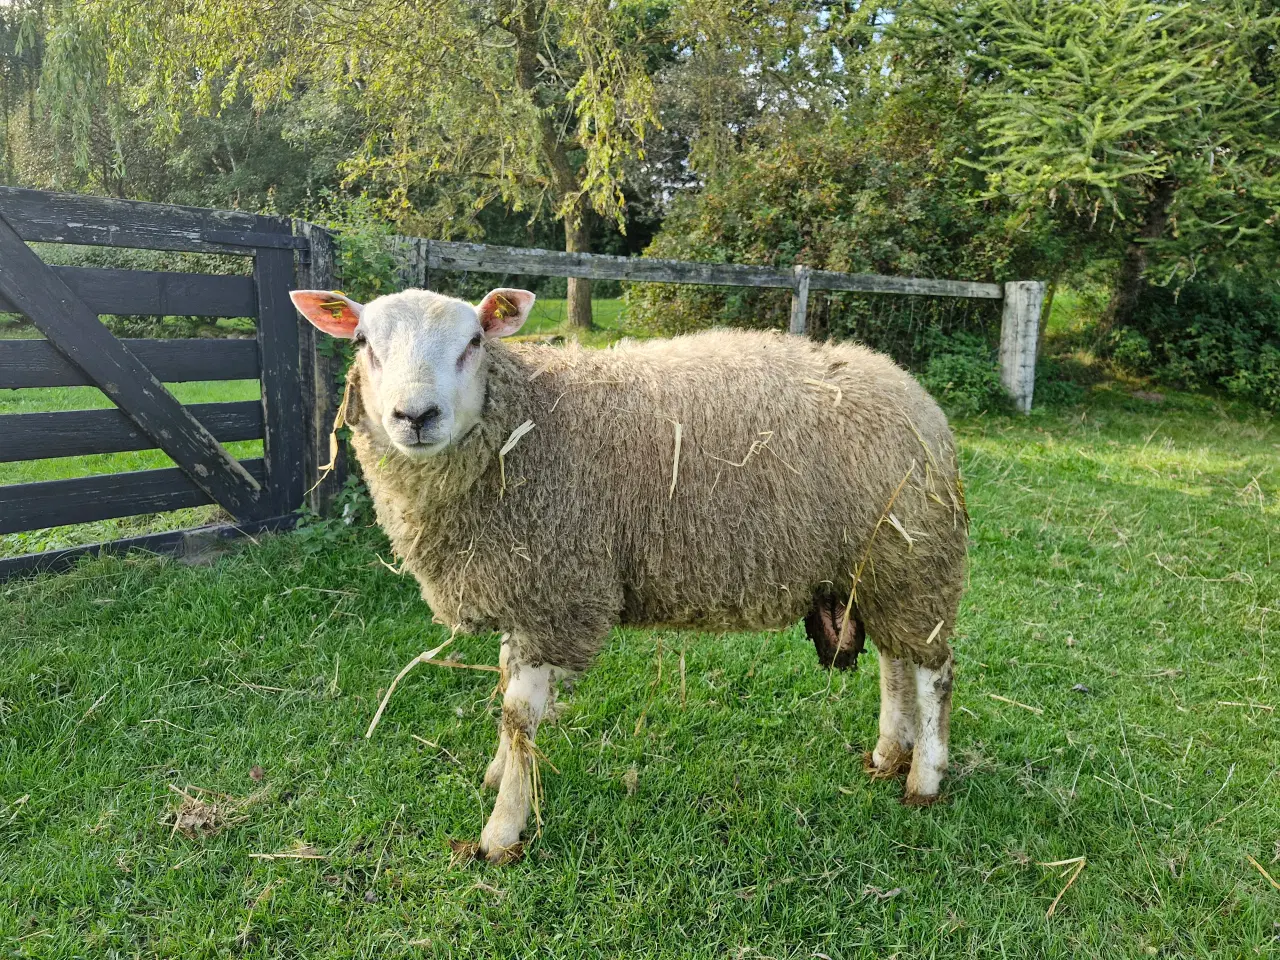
(933, 729)
(892, 754)
(493, 775)
(524, 703)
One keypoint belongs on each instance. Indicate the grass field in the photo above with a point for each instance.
(549, 317)
(1116, 700)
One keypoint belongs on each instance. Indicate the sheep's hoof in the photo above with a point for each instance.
(500, 842)
(893, 766)
(920, 799)
(500, 855)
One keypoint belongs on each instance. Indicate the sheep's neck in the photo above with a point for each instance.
(419, 501)
(423, 487)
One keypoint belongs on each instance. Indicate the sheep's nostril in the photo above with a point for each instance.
(418, 420)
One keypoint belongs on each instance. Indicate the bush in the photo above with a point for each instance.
(963, 376)
(1206, 335)
(1129, 350)
(1060, 382)
(861, 194)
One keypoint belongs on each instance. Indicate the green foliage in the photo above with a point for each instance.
(1060, 382)
(365, 264)
(1123, 114)
(538, 103)
(864, 194)
(962, 375)
(1129, 350)
(1207, 336)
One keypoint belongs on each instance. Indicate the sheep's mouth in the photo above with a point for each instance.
(423, 448)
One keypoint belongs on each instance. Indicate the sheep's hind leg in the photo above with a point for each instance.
(933, 729)
(892, 754)
(523, 706)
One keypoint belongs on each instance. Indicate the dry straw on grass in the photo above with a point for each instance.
(300, 851)
(427, 657)
(1262, 870)
(1079, 863)
(196, 818)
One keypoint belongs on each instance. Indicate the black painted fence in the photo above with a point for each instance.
(65, 303)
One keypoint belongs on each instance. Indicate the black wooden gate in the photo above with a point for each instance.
(65, 303)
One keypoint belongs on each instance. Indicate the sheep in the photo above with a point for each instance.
(725, 480)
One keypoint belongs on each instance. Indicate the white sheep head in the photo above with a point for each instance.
(420, 358)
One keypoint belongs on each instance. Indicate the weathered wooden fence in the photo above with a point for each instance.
(64, 303)
(1019, 328)
(298, 375)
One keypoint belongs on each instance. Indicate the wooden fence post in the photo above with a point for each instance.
(322, 370)
(800, 302)
(1019, 331)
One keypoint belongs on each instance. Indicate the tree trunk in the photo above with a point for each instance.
(524, 22)
(577, 239)
(1131, 280)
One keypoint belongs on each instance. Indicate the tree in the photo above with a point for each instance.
(21, 54)
(1151, 124)
(537, 103)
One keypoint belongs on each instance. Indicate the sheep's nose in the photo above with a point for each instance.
(418, 420)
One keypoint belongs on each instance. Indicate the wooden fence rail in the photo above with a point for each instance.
(419, 256)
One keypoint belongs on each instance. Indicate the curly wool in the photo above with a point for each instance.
(800, 468)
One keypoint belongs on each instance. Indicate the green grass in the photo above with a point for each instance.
(1124, 584)
(608, 318)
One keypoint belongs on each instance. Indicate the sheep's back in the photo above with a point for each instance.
(789, 460)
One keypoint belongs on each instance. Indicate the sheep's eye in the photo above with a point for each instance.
(360, 340)
(472, 347)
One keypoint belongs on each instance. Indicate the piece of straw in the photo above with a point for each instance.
(507, 447)
(675, 466)
(1262, 871)
(827, 386)
(1079, 865)
(1036, 710)
(420, 658)
(866, 554)
(339, 421)
(897, 525)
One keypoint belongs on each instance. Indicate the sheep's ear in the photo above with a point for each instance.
(329, 310)
(504, 311)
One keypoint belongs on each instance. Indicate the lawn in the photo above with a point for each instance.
(1115, 700)
(549, 317)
